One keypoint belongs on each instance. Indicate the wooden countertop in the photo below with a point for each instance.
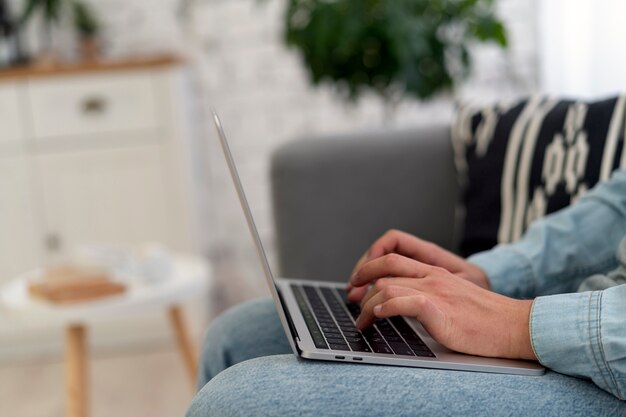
(106, 65)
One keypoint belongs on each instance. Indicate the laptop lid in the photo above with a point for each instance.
(280, 305)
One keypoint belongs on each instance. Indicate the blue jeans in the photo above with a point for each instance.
(248, 369)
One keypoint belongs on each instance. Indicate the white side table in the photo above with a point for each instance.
(190, 278)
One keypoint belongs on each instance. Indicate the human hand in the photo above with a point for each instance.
(395, 241)
(456, 313)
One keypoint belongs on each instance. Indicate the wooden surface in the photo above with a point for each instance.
(76, 383)
(185, 343)
(87, 67)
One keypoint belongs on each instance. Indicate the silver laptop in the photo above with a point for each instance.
(320, 323)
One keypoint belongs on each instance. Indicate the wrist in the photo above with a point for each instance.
(521, 345)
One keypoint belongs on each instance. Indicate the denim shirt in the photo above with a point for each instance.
(581, 334)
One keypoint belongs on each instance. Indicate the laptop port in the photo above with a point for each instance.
(357, 359)
(340, 357)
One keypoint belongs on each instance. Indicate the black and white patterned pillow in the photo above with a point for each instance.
(519, 161)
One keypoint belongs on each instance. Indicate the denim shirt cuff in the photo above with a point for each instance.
(508, 270)
(565, 332)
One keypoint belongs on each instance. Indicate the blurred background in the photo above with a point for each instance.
(108, 155)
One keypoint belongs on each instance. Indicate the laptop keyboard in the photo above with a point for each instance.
(330, 320)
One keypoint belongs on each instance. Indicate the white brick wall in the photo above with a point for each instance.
(265, 99)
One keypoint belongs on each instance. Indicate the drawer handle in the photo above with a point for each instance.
(94, 105)
(53, 242)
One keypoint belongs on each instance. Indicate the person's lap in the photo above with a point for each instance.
(248, 369)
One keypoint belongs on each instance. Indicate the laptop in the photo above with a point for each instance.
(320, 323)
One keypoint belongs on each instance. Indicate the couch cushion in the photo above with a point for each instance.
(518, 161)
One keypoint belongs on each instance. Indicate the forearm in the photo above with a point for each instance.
(560, 250)
(583, 335)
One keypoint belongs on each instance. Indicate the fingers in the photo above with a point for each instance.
(356, 294)
(381, 284)
(359, 264)
(389, 265)
(417, 305)
(367, 316)
(393, 241)
(405, 244)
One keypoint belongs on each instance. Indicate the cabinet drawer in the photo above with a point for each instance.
(93, 104)
(10, 113)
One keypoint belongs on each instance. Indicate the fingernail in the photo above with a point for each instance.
(353, 277)
(358, 321)
(378, 309)
(349, 287)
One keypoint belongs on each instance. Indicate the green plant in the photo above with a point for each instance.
(51, 14)
(50, 9)
(85, 21)
(393, 47)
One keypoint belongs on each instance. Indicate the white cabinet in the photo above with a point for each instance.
(10, 117)
(19, 224)
(101, 155)
(106, 195)
(93, 104)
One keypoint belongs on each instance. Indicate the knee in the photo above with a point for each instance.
(228, 334)
(242, 390)
(235, 326)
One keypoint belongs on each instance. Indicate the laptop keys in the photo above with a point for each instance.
(381, 348)
(360, 346)
(337, 346)
(416, 344)
(330, 329)
(337, 329)
(354, 339)
(404, 329)
(311, 324)
(401, 348)
(354, 309)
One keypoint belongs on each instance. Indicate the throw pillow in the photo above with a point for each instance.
(518, 161)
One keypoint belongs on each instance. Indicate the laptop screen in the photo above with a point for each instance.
(282, 311)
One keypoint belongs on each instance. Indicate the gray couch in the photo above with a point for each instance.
(333, 196)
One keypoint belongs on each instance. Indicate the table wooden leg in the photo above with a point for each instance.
(185, 344)
(76, 385)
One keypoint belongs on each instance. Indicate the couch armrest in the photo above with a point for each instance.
(333, 196)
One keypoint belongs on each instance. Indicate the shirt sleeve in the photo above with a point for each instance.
(583, 335)
(558, 251)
